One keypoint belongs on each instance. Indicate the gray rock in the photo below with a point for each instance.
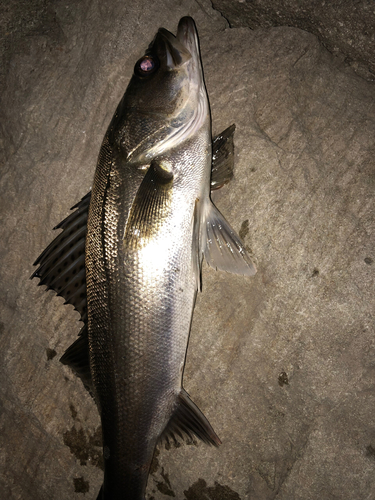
(283, 363)
(346, 28)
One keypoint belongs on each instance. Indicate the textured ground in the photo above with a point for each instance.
(345, 27)
(282, 364)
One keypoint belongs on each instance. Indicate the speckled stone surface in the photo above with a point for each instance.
(344, 27)
(282, 364)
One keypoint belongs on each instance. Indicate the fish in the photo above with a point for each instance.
(130, 255)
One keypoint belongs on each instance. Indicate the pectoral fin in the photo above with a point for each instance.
(150, 207)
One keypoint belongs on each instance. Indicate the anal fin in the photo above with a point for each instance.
(222, 158)
(188, 419)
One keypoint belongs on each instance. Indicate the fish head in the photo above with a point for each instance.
(166, 100)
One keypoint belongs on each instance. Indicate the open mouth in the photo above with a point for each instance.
(182, 47)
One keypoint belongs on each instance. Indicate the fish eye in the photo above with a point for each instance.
(146, 66)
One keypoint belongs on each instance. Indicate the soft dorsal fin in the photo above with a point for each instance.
(77, 357)
(188, 419)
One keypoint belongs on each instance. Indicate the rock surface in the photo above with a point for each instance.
(282, 364)
(346, 28)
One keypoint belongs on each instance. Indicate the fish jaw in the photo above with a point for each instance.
(188, 36)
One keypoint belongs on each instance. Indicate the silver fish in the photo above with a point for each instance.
(129, 258)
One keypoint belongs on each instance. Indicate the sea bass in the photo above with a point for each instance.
(129, 258)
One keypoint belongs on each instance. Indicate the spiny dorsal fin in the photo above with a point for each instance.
(188, 419)
(61, 266)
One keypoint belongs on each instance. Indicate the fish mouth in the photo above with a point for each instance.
(183, 48)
